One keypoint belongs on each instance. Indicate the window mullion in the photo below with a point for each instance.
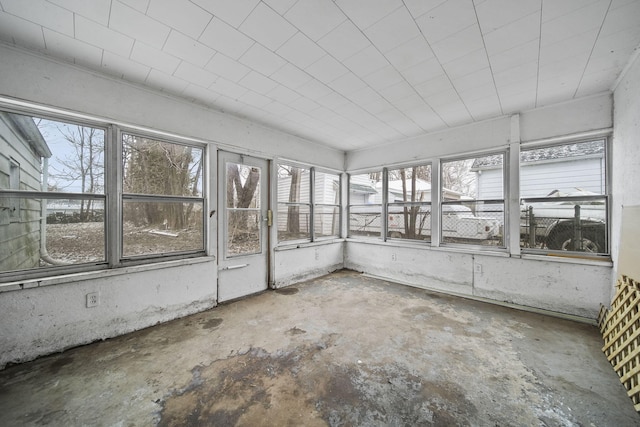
(113, 190)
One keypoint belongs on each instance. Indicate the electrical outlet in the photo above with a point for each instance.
(317, 254)
(477, 268)
(394, 257)
(93, 299)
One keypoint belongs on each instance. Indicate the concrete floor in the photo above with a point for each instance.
(341, 350)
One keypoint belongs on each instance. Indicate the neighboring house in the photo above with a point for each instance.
(563, 168)
(22, 149)
(327, 192)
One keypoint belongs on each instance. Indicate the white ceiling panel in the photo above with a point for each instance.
(261, 59)
(124, 68)
(186, 48)
(315, 18)
(195, 75)
(301, 51)
(181, 15)
(137, 25)
(232, 12)
(42, 12)
(495, 14)
(393, 30)
(95, 10)
(410, 53)
(367, 61)
(224, 38)
(364, 14)
(447, 19)
(154, 58)
(226, 67)
(266, 25)
(344, 41)
(21, 32)
(348, 74)
(72, 49)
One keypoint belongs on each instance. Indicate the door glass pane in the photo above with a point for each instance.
(243, 228)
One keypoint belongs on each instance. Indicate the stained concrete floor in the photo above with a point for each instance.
(341, 350)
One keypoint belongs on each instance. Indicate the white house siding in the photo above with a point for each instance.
(324, 194)
(19, 233)
(540, 179)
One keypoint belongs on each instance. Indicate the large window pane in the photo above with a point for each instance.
(52, 232)
(326, 220)
(365, 204)
(294, 208)
(472, 194)
(365, 221)
(161, 227)
(41, 156)
(326, 213)
(564, 203)
(409, 203)
(293, 222)
(161, 168)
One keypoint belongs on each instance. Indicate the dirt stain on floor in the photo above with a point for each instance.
(303, 387)
(287, 291)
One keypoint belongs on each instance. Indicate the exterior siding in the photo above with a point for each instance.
(20, 231)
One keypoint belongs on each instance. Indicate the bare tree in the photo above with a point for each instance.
(84, 165)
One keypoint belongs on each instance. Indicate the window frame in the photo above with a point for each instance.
(504, 201)
(389, 203)
(315, 205)
(351, 205)
(605, 197)
(112, 196)
(311, 204)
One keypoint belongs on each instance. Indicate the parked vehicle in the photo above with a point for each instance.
(458, 222)
(570, 224)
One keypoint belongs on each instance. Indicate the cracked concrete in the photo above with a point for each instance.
(340, 350)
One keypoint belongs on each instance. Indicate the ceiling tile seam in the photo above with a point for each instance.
(539, 51)
(393, 66)
(595, 42)
(422, 14)
(493, 78)
(245, 18)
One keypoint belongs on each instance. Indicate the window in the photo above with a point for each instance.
(409, 203)
(564, 203)
(326, 205)
(162, 202)
(308, 203)
(58, 214)
(472, 200)
(55, 210)
(365, 205)
(294, 203)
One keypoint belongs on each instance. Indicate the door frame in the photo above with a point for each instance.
(221, 223)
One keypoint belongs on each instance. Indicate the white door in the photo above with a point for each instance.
(242, 225)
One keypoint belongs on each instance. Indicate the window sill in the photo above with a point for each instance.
(98, 274)
(569, 259)
(560, 258)
(323, 242)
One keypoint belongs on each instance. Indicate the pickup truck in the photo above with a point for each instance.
(570, 224)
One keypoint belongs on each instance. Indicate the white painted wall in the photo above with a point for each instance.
(294, 265)
(561, 287)
(47, 319)
(625, 149)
